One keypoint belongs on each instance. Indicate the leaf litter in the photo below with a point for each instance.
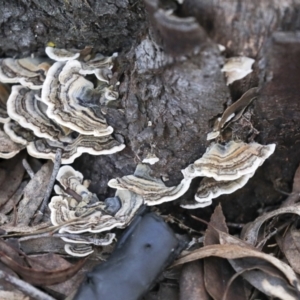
(223, 267)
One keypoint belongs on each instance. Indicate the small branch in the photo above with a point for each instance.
(27, 167)
(25, 287)
(56, 166)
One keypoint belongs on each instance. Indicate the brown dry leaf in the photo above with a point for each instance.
(294, 196)
(217, 271)
(260, 273)
(11, 175)
(13, 295)
(251, 232)
(43, 245)
(49, 262)
(290, 246)
(236, 251)
(9, 255)
(192, 282)
(14, 200)
(34, 194)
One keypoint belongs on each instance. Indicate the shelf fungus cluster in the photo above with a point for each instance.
(237, 68)
(225, 168)
(151, 189)
(85, 220)
(55, 104)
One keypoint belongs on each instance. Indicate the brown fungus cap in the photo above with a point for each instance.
(153, 190)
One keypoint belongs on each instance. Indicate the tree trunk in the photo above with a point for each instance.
(171, 82)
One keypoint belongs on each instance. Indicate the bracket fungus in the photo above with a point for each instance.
(229, 161)
(24, 107)
(233, 112)
(29, 72)
(17, 133)
(68, 103)
(62, 54)
(237, 68)
(210, 189)
(83, 211)
(153, 190)
(73, 180)
(150, 159)
(46, 149)
(67, 112)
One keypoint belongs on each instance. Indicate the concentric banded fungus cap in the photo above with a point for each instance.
(29, 72)
(230, 161)
(69, 178)
(193, 204)
(4, 94)
(103, 73)
(60, 212)
(100, 61)
(18, 134)
(153, 190)
(8, 148)
(210, 188)
(62, 54)
(80, 246)
(79, 250)
(30, 113)
(69, 102)
(46, 149)
(237, 68)
(99, 222)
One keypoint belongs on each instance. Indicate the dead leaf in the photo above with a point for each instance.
(192, 282)
(294, 196)
(51, 261)
(236, 251)
(34, 194)
(13, 295)
(11, 174)
(9, 256)
(290, 246)
(251, 232)
(260, 273)
(14, 200)
(217, 271)
(43, 245)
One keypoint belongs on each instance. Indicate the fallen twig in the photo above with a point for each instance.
(27, 167)
(25, 287)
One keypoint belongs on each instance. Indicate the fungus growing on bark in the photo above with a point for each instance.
(29, 72)
(193, 204)
(69, 97)
(46, 149)
(62, 54)
(237, 68)
(24, 107)
(71, 179)
(150, 159)
(153, 190)
(210, 188)
(229, 161)
(18, 134)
